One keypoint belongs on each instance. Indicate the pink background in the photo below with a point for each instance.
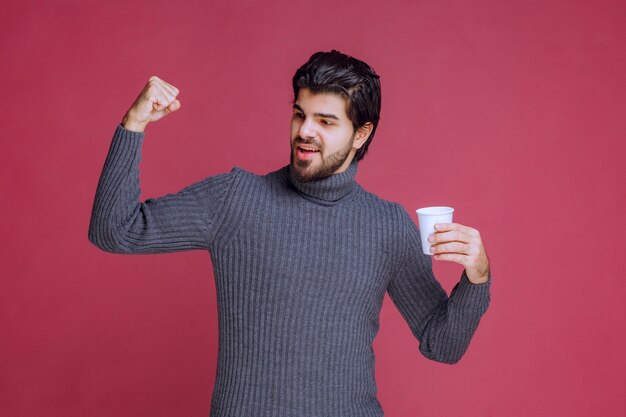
(510, 111)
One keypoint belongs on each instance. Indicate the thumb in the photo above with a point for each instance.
(162, 111)
(175, 105)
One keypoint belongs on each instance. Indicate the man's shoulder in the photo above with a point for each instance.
(245, 178)
(244, 173)
(248, 175)
(376, 202)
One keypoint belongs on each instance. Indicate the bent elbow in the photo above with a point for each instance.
(104, 239)
(447, 359)
(450, 354)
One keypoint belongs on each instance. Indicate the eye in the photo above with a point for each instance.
(327, 122)
(298, 115)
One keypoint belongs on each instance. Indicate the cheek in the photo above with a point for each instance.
(341, 139)
(295, 127)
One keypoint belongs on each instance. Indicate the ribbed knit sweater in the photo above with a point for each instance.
(301, 270)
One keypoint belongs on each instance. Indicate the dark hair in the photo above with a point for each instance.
(334, 72)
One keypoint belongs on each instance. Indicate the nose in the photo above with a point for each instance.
(307, 129)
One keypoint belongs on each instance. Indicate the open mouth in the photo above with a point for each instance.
(306, 152)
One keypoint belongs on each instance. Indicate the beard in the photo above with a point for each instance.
(310, 170)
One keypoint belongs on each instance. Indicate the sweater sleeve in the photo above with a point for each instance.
(443, 325)
(120, 223)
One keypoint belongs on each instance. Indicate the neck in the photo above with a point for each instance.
(330, 189)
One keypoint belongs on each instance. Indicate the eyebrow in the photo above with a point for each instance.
(325, 115)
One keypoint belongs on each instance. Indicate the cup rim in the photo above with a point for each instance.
(434, 210)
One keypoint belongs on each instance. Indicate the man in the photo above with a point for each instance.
(302, 256)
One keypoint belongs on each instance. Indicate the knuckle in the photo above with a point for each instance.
(152, 90)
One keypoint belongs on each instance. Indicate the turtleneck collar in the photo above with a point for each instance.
(329, 189)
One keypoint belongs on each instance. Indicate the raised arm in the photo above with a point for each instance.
(120, 223)
(443, 325)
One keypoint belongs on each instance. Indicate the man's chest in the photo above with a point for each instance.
(317, 249)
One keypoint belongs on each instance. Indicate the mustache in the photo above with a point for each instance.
(299, 141)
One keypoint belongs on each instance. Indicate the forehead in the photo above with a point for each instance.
(322, 102)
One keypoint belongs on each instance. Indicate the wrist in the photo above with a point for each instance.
(477, 280)
(129, 124)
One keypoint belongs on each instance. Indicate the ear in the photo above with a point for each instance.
(362, 134)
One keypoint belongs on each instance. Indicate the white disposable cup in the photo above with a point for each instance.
(428, 217)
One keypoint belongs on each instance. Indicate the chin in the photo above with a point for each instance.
(303, 175)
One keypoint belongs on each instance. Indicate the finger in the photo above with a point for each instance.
(163, 85)
(158, 105)
(175, 91)
(157, 114)
(164, 110)
(156, 95)
(174, 106)
(452, 226)
(158, 90)
(452, 257)
(469, 231)
(160, 100)
(171, 86)
(171, 90)
(450, 236)
(453, 247)
(443, 227)
(167, 97)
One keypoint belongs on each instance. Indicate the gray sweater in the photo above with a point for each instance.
(301, 271)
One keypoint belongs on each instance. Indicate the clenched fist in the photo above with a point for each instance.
(157, 99)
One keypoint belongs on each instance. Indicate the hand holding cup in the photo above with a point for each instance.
(448, 241)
